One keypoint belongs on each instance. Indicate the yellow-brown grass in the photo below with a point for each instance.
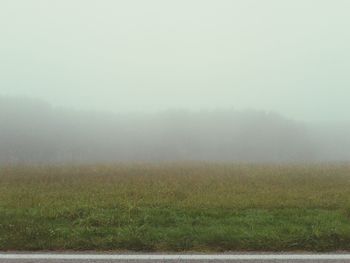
(67, 195)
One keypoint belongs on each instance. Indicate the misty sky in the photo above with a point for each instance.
(289, 56)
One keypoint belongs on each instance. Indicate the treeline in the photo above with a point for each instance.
(32, 131)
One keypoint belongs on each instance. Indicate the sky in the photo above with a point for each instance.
(289, 56)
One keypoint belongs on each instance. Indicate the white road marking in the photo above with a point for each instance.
(177, 257)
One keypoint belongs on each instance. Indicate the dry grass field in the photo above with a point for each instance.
(175, 207)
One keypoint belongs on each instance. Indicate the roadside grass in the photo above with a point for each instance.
(175, 207)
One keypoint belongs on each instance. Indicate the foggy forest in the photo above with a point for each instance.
(34, 132)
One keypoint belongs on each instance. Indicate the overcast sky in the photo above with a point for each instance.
(288, 56)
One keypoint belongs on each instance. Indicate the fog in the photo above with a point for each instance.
(34, 132)
(86, 81)
(290, 57)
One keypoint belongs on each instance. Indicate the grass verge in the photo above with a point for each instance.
(175, 207)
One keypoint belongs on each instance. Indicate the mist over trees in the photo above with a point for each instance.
(32, 131)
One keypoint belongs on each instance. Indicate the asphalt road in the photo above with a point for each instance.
(148, 258)
(168, 261)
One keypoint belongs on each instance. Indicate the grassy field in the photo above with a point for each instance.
(175, 207)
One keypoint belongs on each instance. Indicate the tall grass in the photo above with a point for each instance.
(175, 207)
